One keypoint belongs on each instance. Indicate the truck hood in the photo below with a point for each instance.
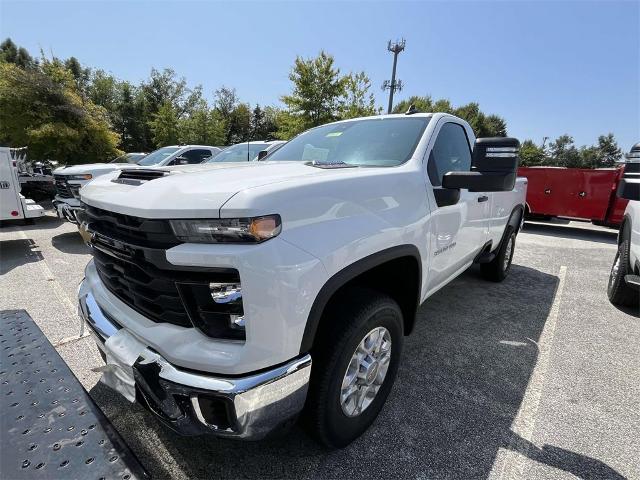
(194, 191)
(92, 168)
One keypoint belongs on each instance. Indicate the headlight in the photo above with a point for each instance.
(84, 176)
(228, 230)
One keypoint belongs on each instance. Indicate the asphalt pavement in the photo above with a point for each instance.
(536, 377)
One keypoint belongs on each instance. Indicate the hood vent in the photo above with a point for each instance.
(139, 176)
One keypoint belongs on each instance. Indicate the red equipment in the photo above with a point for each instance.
(578, 193)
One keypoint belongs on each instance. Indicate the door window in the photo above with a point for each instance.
(450, 153)
(197, 155)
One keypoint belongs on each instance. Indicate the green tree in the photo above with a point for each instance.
(103, 90)
(289, 125)
(608, 151)
(531, 155)
(203, 126)
(165, 91)
(422, 104)
(589, 157)
(564, 153)
(11, 53)
(42, 109)
(263, 123)
(164, 125)
(239, 124)
(128, 118)
(358, 100)
(80, 74)
(483, 125)
(317, 92)
(270, 123)
(225, 103)
(258, 118)
(494, 126)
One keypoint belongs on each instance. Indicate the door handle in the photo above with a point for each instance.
(482, 198)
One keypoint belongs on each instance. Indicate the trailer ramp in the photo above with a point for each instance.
(49, 425)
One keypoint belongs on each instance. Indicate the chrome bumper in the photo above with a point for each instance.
(193, 403)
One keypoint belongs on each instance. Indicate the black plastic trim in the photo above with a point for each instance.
(626, 220)
(347, 274)
(446, 196)
(485, 255)
(514, 221)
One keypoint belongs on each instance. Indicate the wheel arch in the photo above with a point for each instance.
(515, 221)
(626, 223)
(400, 266)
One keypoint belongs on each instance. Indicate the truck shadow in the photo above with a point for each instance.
(603, 235)
(15, 253)
(462, 380)
(70, 242)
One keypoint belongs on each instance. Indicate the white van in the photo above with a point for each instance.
(13, 205)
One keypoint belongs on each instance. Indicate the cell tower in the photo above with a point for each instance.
(393, 85)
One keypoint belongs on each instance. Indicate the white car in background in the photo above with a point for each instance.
(69, 180)
(624, 280)
(247, 151)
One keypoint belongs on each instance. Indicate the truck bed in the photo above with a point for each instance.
(587, 194)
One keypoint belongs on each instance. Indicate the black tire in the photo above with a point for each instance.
(498, 268)
(618, 291)
(352, 317)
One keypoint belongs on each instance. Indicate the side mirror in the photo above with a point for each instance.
(629, 185)
(262, 154)
(181, 161)
(493, 168)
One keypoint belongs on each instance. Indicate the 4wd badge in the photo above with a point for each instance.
(4, 185)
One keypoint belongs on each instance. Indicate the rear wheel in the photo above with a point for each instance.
(498, 268)
(354, 367)
(618, 291)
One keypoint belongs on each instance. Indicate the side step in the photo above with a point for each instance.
(50, 427)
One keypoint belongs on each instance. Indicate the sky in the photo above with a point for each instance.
(548, 68)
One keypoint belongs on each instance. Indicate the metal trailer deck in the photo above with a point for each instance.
(49, 425)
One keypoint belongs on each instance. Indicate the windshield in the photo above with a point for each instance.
(128, 158)
(158, 156)
(376, 142)
(239, 153)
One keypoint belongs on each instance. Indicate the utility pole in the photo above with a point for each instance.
(393, 85)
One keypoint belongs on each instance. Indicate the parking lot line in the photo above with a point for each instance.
(511, 463)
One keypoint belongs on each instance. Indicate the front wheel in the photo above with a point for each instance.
(618, 291)
(354, 367)
(498, 268)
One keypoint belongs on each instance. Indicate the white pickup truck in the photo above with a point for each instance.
(69, 180)
(228, 300)
(624, 280)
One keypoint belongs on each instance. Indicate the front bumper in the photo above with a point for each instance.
(193, 403)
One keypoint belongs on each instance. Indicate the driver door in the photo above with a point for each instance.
(460, 219)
